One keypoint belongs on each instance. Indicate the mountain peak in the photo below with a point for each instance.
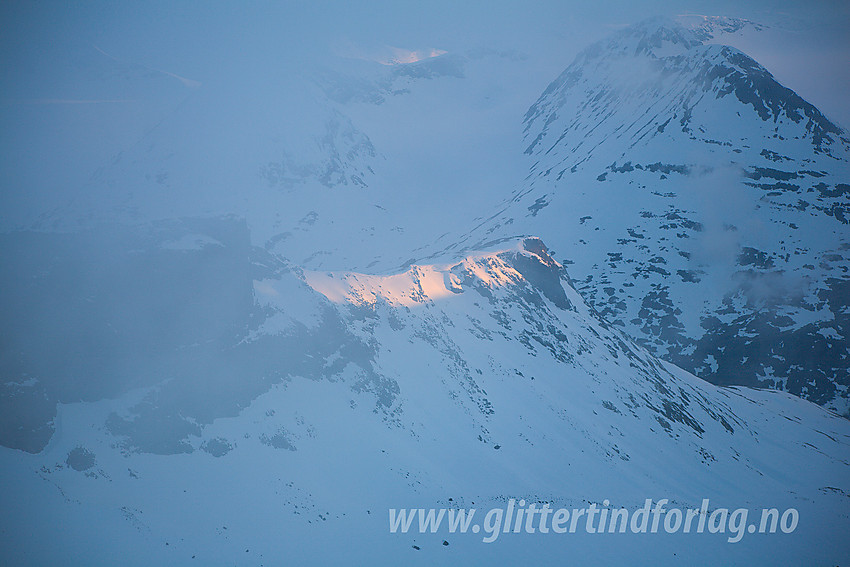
(659, 36)
(709, 27)
(667, 67)
(663, 36)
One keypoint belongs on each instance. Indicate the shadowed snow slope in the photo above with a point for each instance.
(460, 384)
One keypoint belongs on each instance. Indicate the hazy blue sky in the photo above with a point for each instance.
(200, 39)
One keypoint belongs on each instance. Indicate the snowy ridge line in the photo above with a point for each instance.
(420, 282)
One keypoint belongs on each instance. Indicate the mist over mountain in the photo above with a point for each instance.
(280, 289)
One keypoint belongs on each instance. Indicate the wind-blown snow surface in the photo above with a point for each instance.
(460, 384)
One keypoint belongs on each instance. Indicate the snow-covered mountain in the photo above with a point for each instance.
(703, 207)
(457, 384)
(299, 296)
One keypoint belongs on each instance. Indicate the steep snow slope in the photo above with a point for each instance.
(458, 384)
(704, 205)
